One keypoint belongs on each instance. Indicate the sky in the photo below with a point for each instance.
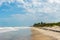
(28, 12)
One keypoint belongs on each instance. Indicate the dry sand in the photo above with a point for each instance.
(39, 36)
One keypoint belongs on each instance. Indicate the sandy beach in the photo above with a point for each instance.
(36, 35)
(24, 33)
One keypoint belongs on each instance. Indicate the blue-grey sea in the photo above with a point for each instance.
(19, 34)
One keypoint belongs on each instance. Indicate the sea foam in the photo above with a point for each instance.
(7, 29)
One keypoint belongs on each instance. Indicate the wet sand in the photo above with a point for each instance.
(15, 33)
(22, 34)
(39, 36)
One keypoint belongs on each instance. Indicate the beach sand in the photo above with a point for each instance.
(39, 36)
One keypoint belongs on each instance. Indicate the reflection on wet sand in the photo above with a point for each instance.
(22, 34)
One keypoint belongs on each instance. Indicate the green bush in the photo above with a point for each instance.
(42, 24)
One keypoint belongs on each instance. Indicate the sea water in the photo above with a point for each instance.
(15, 33)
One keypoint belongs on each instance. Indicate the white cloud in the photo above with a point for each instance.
(36, 10)
(37, 6)
(54, 1)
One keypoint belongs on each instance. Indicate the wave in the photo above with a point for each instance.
(6, 29)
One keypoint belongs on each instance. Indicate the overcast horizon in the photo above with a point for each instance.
(28, 12)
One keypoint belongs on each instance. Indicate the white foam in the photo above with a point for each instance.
(6, 29)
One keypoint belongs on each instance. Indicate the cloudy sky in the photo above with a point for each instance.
(28, 12)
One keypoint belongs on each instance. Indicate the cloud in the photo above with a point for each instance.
(54, 1)
(36, 11)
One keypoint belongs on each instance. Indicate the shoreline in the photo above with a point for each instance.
(7, 29)
(36, 33)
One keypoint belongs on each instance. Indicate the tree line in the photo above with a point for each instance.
(42, 24)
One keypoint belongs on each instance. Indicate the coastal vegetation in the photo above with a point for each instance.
(43, 24)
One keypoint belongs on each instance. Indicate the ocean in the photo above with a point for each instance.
(15, 33)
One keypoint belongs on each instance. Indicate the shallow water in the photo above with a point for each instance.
(21, 34)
